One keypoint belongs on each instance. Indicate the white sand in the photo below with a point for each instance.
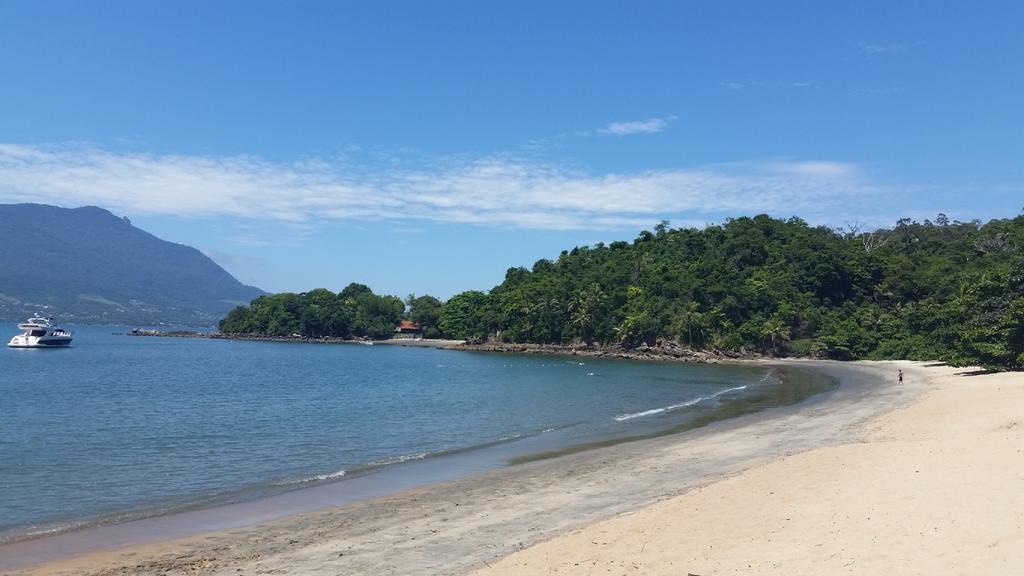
(935, 488)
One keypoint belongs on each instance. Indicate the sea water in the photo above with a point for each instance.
(119, 427)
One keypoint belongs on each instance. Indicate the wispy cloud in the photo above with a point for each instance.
(741, 84)
(649, 126)
(488, 191)
(751, 84)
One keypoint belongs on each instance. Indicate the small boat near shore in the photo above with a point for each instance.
(41, 332)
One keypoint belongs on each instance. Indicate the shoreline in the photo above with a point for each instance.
(935, 486)
(590, 488)
(663, 350)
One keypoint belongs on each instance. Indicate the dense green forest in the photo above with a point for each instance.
(921, 290)
(354, 312)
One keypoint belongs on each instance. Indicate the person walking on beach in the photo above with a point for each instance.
(900, 376)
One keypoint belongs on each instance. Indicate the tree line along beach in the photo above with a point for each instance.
(926, 290)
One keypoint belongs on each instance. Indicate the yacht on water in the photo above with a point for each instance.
(41, 333)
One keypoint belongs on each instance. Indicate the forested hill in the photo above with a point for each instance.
(88, 265)
(941, 289)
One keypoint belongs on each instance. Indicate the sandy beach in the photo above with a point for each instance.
(936, 487)
(874, 477)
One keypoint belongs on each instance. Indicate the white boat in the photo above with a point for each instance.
(41, 333)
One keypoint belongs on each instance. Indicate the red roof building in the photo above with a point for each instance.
(408, 329)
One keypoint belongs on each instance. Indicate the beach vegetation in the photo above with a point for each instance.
(355, 312)
(941, 289)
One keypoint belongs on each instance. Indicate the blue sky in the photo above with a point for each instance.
(427, 146)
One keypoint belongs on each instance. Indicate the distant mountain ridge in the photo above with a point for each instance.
(88, 265)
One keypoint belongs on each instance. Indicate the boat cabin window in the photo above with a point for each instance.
(37, 333)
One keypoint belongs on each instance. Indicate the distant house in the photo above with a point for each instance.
(408, 329)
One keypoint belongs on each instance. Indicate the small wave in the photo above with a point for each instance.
(727, 390)
(546, 430)
(654, 411)
(317, 478)
(51, 530)
(673, 407)
(770, 375)
(399, 459)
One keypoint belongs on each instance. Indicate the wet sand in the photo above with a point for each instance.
(459, 526)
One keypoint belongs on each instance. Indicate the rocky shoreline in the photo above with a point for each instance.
(247, 337)
(662, 350)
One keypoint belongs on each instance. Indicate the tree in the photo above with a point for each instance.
(424, 310)
(775, 330)
(376, 316)
(548, 311)
(583, 311)
(461, 316)
(638, 326)
(690, 316)
(353, 291)
(992, 331)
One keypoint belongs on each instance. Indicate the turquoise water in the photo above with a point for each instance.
(119, 427)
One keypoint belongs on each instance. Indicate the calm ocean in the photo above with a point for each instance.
(119, 427)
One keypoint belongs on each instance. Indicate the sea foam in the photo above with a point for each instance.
(316, 478)
(673, 407)
(399, 459)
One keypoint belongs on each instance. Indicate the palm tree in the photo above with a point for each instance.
(775, 329)
(583, 309)
(542, 312)
(582, 318)
(552, 307)
(691, 317)
(962, 294)
(717, 323)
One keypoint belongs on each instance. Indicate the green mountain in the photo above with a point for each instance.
(87, 265)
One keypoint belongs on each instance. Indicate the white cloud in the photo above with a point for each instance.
(650, 126)
(488, 191)
(815, 168)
